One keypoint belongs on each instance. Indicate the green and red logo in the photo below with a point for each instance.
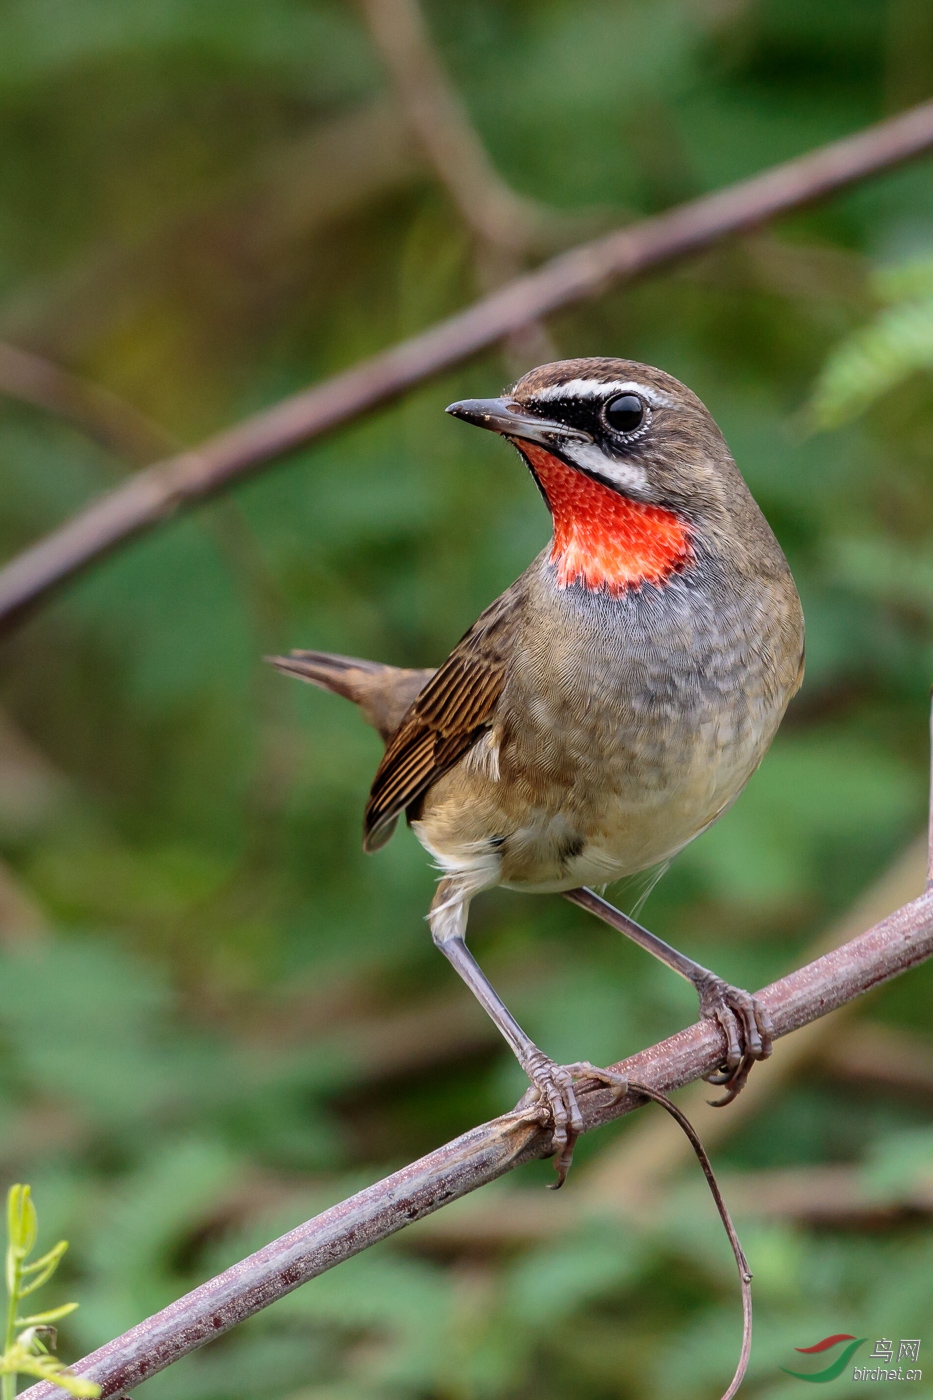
(836, 1367)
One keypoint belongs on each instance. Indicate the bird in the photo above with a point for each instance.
(610, 705)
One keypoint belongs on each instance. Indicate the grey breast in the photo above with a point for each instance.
(631, 680)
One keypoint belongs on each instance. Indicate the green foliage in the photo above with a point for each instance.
(30, 1352)
(218, 1017)
(881, 355)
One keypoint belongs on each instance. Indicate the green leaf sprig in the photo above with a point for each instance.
(29, 1341)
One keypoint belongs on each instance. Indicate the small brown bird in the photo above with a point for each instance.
(612, 703)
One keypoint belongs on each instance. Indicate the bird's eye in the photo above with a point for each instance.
(625, 414)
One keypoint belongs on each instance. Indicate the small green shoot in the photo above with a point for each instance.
(29, 1341)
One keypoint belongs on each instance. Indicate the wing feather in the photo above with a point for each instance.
(445, 720)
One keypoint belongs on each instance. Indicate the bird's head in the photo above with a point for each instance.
(633, 468)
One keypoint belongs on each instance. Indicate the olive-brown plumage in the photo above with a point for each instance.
(613, 702)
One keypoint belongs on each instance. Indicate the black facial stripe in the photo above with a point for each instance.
(588, 413)
(576, 413)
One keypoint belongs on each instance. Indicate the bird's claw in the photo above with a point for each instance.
(746, 1024)
(552, 1088)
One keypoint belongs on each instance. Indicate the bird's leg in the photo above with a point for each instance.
(553, 1084)
(745, 1022)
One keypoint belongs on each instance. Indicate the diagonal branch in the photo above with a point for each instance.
(156, 493)
(899, 942)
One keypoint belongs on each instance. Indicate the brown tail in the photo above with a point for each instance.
(383, 693)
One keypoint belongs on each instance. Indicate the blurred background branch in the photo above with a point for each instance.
(254, 219)
(508, 227)
(102, 414)
(508, 222)
(161, 490)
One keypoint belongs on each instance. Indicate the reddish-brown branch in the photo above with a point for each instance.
(897, 943)
(158, 491)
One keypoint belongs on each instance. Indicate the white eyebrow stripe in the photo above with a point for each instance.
(596, 388)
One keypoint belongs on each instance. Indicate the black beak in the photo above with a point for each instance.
(511, 420)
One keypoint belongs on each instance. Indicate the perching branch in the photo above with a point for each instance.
(633, 1171)
(156, 493)
(899, 942)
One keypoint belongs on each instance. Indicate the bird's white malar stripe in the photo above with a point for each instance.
(597, 388)
(626, 475)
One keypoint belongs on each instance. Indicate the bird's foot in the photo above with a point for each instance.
(746, 1024)
(553, 1089)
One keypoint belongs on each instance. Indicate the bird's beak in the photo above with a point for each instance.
(511, 420)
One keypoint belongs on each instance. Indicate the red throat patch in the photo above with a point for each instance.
(606, 541)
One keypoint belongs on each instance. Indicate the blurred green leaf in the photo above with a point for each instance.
(875, 359)
(900, 1163)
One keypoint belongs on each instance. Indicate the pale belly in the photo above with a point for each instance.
(593, 814)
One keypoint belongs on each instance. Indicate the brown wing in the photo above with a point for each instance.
(446, 719)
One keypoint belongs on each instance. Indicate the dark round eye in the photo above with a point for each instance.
(625, 413)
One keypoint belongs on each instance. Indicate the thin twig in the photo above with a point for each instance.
(745, 1276)
(97, 411)
(436, 114)
(508, 228)
(159, 491)
(899, 942)
(819, 1194)
(636, 1166)
(825, 1194)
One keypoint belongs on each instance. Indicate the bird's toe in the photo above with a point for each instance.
(748, 1030)
(554, 1085)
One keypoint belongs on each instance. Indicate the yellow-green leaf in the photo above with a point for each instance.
(43, 1318)
(22, 1226)
(52, 1257)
